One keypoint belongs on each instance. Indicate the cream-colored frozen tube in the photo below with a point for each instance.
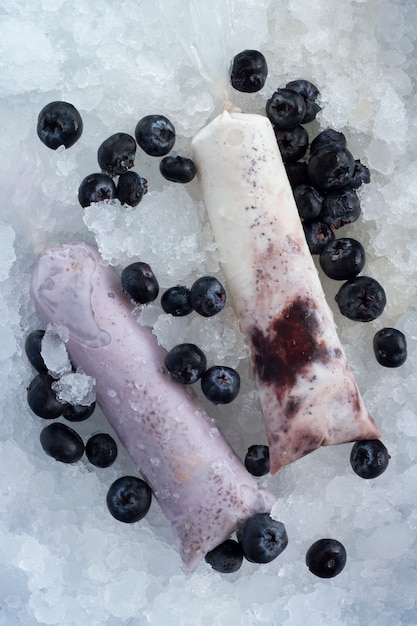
(201, 485)
(308, 394)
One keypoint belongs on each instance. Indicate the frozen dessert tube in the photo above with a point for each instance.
(201, 485)
(308, 394)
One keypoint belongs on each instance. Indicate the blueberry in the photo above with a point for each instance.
(369, 458)
(129, 499)
(292, 143)
(225, 558)
(361, 175)
(78, 412)
(155, 134)
(177, 169)
(249, 71)
(62, 443)
(177, 301)
(117, 154)
(342, 258)
(186, 363)
(331, 167)
(101, 450)
(59, 124)
(131, 188)
(326, 558)
(262, 538)
(42, 398)
(285, 109)
(310, 94)
(33, 346)
(220, 384)
(328, 138)
(257, 460)
(308, 200)
(340, 208)
(138, 280)
(208, 296)
(390, 347)
(318, 234)
(96, 188)
(361, 299)
(297, 174)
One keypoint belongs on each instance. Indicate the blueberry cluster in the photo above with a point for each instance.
(128, 498)
(207, 296)
(325, 191)
(60, 124)
(186, 363)
(260, 540)
(155, 135)
(59, 440)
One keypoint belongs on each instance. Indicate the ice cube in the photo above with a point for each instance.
(54, 351)
(76, 388)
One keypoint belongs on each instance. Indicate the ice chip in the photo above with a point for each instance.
(54, 351)
(76, 388)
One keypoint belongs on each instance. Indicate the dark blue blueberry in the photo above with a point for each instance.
(138, 280)
(328, 138)
(177, 301)
(62, 443)
(326, 558)
(292, 143)
(101, 450)
(78, 412)
(297, 174)
(225, 558)
(285, 109)
(369, 458)
(59, 124)
(340, 208)
(308, 200)
(177, 169)
(342, 259)
(117, 154)
(208, 296)
(155, 134)
(96, 188)
(33, 346)
(390, 347)
(331, 167)
(129, 499)
(257, 460)
(131, 188)
(220, 384)
(310, 94)
(262, 538)
(361, 299)
(186, 363)
(249, 71)
(318, 234)
(361, 175)
(42, 398)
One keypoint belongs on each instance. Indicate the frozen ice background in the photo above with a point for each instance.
(63, 559)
